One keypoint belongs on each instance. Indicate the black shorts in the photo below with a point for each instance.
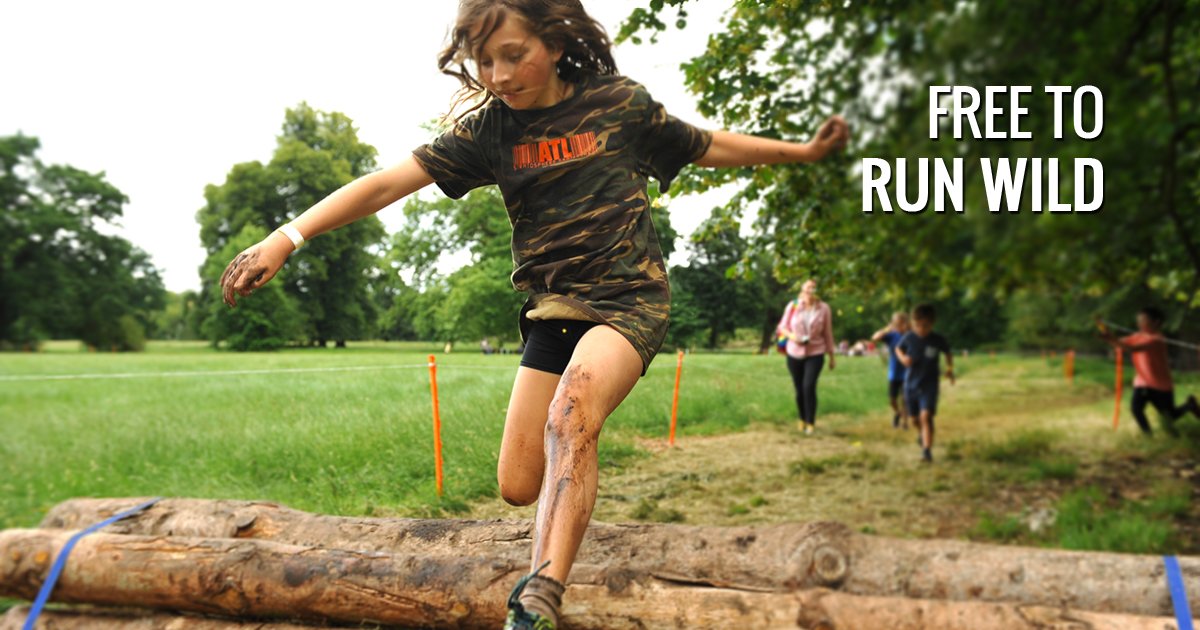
(550, 343)
(895, 387)
(921, 400)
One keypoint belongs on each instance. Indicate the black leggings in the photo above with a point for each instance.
(804, 377)
(1162, 399)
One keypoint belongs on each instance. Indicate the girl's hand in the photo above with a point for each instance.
(254, 267)
(832, 136)
(950, 375)
(832, 362)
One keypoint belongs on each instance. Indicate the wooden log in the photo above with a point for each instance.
(828, 610)
(769, 558)
(91, 618)
(265, 579)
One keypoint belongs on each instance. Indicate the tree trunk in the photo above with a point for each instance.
(265, 579)
(92, 618)
(769, 323)
(770, 558)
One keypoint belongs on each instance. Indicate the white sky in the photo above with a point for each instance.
(165, 97)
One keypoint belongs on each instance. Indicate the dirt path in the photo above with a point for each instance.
(862, 472)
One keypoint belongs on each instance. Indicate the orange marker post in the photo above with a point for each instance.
(675, 402)
(1069, 365)
(437, 424)
(1120, 383)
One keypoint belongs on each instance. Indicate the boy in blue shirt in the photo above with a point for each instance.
(919, 350)
(891, 336)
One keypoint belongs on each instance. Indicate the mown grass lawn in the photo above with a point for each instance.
(348, 431)
(344, 431)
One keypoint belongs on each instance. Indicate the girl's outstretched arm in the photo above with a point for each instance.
(735, 149)
(362, 197)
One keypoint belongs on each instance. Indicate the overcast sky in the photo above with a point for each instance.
(165, 97)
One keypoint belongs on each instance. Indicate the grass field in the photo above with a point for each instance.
(349, 432)
(339, 431)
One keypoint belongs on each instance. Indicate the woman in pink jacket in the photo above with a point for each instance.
(807, 324)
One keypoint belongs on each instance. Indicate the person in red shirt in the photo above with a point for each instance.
(1152, 384)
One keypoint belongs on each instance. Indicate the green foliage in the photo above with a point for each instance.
(61, 276)
(329, 279)
(477, 300)
(778, 68)
(707, 286)
(480, 302)
(177, 319)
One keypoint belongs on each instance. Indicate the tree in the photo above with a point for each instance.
(475, 301)
(777, 68)
(60, 275)
(317, 153)
(710, 285)
(176, 319)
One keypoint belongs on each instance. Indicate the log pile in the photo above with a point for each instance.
(189, 563)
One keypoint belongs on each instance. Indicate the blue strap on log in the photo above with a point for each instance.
(1183, 612)
(59, 562)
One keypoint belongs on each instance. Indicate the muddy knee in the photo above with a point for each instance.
(573, 421)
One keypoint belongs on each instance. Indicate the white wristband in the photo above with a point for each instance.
(293, 235)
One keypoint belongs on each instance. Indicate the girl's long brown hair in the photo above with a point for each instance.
(560, 24)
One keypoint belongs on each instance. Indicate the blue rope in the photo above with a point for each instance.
(1183, 612)
(59, 562)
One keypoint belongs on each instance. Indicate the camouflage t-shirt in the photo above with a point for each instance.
(574, 177)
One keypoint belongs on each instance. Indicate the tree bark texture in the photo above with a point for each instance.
(265, 579)
(776, 558)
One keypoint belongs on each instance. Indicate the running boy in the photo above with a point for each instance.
(891, 335)
(571, 144)
(919, 350)
(1152, 382)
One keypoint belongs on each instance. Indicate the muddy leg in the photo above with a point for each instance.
(602, 371)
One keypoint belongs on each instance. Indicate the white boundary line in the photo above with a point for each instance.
(353, 368)
(1173, 342)
(101, 375)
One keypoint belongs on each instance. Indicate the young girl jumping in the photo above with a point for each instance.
(571, 144)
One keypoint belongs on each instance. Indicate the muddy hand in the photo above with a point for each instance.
(833, 134)
(250, 270)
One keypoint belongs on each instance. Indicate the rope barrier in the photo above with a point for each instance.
(182, 373)
(120, 375)
(1168, 340)
(352, 368)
